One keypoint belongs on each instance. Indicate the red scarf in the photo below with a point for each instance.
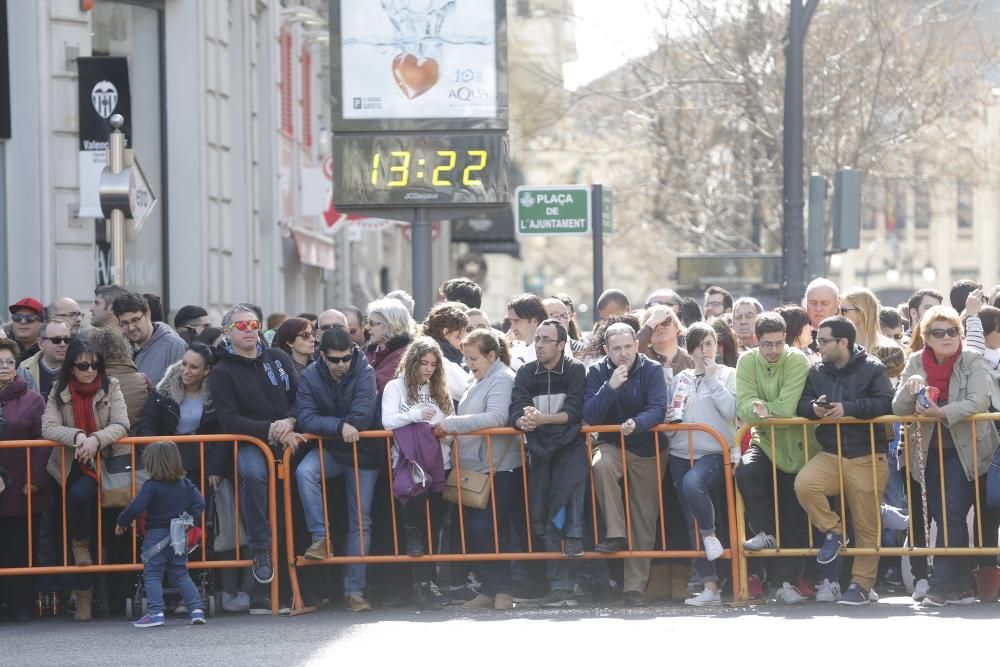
(83, 404)
(938, 375)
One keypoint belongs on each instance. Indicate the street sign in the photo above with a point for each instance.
(553, 210)
(141, 199)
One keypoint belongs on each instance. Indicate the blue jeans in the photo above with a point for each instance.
(695, 483)
(311, 492)
(252, 471)
(950, 571)
(479, 524)
(175, 567)
(560, 572)
(81, 499)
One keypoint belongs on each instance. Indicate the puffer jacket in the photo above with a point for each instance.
(111, 417)
(968, 394)
(864, 388)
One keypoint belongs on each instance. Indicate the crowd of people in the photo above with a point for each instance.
(435, 384)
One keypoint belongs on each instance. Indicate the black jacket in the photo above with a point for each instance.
(162, 414)
(558, 461)
(863, 386)
(324, 405)
(250, 394)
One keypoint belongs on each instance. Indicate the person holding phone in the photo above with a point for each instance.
(962, 383)
(848, 382)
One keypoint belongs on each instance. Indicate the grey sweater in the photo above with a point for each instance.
(486, 404)
(163, 349)
(712, 402)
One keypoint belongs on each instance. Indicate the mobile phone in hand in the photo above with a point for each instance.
(826, 405)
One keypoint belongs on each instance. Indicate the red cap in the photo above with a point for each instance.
(29, 303)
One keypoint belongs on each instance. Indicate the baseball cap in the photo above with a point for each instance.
(29, 303)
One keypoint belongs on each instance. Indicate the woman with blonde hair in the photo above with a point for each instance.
(664, 342)
(862, 308)
(390, 330)
(950, 384)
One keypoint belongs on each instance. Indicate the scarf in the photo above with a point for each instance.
(83, 404)
(938, 375)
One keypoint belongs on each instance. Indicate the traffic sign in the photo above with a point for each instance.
(141, 199)
(553, 210)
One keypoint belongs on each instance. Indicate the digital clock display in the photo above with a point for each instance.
(407, 170)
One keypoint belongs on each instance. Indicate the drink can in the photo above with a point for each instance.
(40, 610)
(932, 394)
(54, 601)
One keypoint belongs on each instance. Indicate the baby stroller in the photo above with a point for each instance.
(136, 606)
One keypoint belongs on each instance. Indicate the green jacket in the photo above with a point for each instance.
(779, 386)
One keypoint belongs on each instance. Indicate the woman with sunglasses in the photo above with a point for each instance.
(22, 417)
(389, 334)
(952, 449)
(664, 344)
(86, 413)
(297, 339)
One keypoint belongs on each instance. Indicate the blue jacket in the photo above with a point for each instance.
(643, 398)
(163, 501)
(323, 406)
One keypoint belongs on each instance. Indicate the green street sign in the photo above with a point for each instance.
(552, 210)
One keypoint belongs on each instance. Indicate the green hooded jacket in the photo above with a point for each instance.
(779, 386)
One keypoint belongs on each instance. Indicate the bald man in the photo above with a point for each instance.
(329, 318)
(67, 311)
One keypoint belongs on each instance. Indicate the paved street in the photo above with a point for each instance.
(767, 634)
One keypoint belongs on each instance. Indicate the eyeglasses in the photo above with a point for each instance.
(8, 362)
(76, 315)
(306, 335)
(134, 322)
(243, 325)
(950, 332)
(768, 345)
(545, 340)
(85, 365)
(58, 340)
(25, 317)
(844, 310)
(823, 341)
(714, 304)
(338, 360)
(564, 317)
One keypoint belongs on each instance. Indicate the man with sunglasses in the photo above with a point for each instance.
(848, 382)
(337, 399)
(42, 368)
(253, 388)
(26, 323)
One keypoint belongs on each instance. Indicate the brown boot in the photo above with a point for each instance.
(84, 599)
(81, 552)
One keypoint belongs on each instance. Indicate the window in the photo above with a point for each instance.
(964, 203)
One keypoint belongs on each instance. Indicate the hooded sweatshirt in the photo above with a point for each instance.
(779, 386)
(162, 350)
(251, 393)
(711, 402)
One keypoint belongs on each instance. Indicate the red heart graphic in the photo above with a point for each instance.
(414, 76)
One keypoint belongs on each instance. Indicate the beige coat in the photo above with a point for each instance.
(110, 414)
(968, 394)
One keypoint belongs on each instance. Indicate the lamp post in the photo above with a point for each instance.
(793, 262)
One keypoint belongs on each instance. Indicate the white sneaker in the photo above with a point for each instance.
(238, 603)
(760, 541)
(713, 547)
(920, 590)
(789, 594)
(706, 598)
(827, 591)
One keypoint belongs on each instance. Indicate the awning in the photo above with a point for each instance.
(314, 249)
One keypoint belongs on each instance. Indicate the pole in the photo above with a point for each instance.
(597, 233)
(420, 248)
(116, 163)
(793, 238)
(817, 227)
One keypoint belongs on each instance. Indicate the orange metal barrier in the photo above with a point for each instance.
(135, 565)
(878, 550)
(295, 561)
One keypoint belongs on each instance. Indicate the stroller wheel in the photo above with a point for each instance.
(211, 606)
(128, 608)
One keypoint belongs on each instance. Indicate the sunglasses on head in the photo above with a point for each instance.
(244, 325)
(25, 317)
(58, 340)
(950, 332)
(338, 360)
(85, 365)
